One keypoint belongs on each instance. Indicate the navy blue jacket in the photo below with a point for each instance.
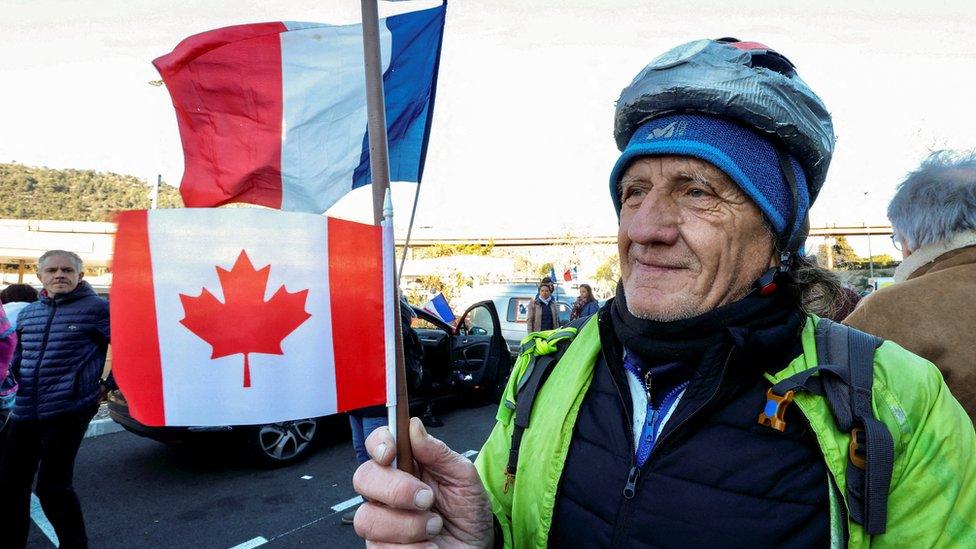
(716, 478)
(60, 353)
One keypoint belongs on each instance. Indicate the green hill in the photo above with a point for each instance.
(27, 192)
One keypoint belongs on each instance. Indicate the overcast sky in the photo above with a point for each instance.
(522, 136)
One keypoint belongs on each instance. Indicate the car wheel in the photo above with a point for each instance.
(277, 444)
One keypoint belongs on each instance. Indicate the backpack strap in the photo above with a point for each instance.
(871, 453)
(544, 350)
(844, 377)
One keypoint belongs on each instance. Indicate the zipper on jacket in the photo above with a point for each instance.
(647, 385)
(633, 477)
(658, 414)
(630, 489)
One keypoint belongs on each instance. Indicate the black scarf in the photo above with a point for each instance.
(762, 327)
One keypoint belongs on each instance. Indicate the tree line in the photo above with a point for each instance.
(28, 192)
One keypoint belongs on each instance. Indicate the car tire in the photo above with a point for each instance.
(282, 443)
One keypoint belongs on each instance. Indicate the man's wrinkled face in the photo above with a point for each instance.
(59, 274)
(689, 239)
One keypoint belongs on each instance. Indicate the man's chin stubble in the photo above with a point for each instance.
(679, 311)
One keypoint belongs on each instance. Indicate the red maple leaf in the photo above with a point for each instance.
(245, 322)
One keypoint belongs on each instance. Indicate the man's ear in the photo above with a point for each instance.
(81, 275)
(906, 250)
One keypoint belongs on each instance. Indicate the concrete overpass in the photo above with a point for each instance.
(22, 241)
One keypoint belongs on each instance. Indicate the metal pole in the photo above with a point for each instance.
(870, 255)
(154, 198)
(379, 168)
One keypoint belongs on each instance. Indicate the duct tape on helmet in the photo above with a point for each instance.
(722, 79)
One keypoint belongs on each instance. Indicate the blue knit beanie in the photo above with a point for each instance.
(748, 157)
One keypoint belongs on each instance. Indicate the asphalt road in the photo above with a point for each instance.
(136, 492)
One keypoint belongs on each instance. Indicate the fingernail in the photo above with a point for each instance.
(423, 499)
(381, 450)
(434, 525)
(423, 429)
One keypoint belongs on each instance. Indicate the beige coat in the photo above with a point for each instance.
(931, 311)
(534, 321)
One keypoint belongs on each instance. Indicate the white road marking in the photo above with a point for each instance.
(306, 477)
(251, 543)
(347, 504)
(41, 521)
(470, 454)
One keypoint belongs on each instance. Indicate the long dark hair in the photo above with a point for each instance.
(589, 292)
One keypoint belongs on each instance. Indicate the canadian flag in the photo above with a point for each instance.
(246, 316)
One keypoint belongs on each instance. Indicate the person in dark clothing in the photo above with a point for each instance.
(13, 298)
(62, 342)
(654, 425)
(543, 311)
(585, 305)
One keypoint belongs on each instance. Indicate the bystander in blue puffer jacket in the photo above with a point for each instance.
(60, 353)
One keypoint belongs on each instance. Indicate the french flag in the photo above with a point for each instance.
(274, 114)
(439, 307)
(238, 316)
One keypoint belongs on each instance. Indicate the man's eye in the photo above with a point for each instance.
(697, 193)
(634, 193)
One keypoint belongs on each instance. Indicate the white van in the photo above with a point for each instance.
(512, 303)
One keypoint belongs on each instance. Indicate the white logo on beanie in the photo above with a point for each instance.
(674, 129)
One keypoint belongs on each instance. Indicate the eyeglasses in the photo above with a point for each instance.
(896, 241)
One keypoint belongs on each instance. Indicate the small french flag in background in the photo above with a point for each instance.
(439, 307)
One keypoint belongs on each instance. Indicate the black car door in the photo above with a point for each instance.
(478, 349)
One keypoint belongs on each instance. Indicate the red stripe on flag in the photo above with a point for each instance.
(226, 87)
(356, 292)
(135, 338)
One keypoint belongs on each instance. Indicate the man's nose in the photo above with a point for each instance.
(656, 221)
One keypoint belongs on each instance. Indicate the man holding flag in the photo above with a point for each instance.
(707, 404)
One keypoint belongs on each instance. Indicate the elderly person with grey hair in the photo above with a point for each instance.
(931, 309)
(62, 342)
(702, 405)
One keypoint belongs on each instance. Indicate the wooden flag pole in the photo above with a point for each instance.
(379, 168)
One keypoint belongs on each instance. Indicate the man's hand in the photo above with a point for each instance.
(446, 506)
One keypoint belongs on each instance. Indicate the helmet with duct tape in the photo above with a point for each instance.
(744, 83)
